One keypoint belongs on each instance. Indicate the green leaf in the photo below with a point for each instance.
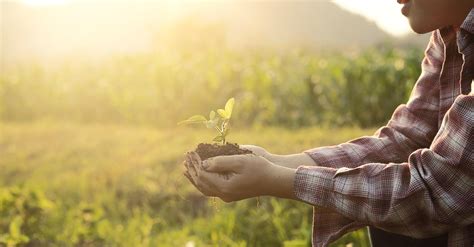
(15, 227)
(223, 114)
(218, 139)
(229, 106)
(211, 124)
(194, 119)
(212, 115)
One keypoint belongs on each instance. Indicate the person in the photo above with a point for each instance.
(412, 182)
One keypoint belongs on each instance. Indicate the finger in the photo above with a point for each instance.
(185, 164)
(193, 175)
(225, 164)
(214, 181)
(203, 188)
(186, 174)
(190, 166)
(222, 187)
(206, 188)
(196, 159)
(225, 176)
(248, 147)
(254, 149)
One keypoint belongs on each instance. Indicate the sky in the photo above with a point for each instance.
(385, 13)
(40, 31)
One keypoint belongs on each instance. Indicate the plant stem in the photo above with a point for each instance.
(221, 133)
(223, 128)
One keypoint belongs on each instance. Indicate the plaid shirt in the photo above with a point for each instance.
(414, 176)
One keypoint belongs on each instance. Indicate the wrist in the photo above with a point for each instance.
(279, 182)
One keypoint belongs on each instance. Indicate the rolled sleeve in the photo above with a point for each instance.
(314, 185)
(429, 195)
(412, 126)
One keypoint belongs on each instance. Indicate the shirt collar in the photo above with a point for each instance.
(468, 23)
(464, 35)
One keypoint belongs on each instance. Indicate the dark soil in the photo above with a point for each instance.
(206, 150)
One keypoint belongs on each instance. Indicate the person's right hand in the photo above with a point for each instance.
(258, 151)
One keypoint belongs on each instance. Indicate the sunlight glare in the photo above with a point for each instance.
(386, 14)
(44, 2)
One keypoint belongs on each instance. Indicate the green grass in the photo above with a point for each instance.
(121, 185)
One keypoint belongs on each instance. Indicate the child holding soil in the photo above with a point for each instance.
(412, 182)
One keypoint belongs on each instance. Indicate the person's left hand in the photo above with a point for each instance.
(230, 178)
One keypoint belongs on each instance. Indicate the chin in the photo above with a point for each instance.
(421, 28)
(421, 31)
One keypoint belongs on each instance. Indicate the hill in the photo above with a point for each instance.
(95, 29)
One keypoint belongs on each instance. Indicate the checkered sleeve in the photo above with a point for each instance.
(412, 126)
(428, 195)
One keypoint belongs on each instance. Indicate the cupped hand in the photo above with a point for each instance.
(257, 150)
(230, 178)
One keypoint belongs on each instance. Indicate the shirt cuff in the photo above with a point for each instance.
(314, 185)
(331, 156)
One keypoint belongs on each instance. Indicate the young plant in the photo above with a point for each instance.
(219, 121)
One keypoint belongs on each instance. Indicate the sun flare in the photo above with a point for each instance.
(44, 2)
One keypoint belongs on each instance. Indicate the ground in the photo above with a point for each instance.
(122, 185)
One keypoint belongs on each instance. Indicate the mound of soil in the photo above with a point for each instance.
(206, 150)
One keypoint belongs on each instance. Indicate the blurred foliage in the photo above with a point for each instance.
(80, 167)
(293, 88)
(65, 184)
(22, 213)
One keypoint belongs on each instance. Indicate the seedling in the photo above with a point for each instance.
(219, 121)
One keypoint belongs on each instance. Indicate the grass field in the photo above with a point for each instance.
(66, 184)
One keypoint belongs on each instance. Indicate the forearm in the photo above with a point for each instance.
(289, 160)
(292, 160)
(279, 182)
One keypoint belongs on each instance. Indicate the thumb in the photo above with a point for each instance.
(223, 164)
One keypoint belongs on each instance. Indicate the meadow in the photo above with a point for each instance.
(90, 154)
(109, 185)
